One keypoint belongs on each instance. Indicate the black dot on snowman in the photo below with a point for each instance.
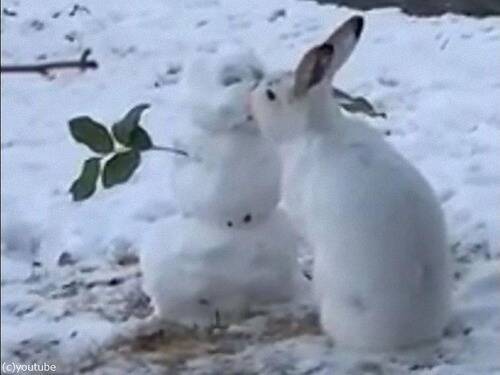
(204, 302)
(271, 95)
(247, 219)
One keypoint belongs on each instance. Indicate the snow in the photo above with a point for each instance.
(229, 175)
(199, 273)
(215, 84)
(229, 249)
(435, 78)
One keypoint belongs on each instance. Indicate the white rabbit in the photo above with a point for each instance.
(232, 176)
(194, 270)
(381, 270)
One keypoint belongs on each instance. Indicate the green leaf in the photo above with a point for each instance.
(123, 129)
(85, 185)
(140, 139)
(120, 168)
(92, 134)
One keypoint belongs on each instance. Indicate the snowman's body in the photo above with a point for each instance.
(233, 177)
(199, 272)
(230, 248)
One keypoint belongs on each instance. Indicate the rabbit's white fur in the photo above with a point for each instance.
(194, 269)
(381, 270)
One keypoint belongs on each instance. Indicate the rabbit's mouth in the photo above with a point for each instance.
(247, 125)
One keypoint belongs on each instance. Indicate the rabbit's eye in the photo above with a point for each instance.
(270, 95)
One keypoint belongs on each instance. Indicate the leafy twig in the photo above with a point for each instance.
(122, 147)
(82, 64)
(169, 149)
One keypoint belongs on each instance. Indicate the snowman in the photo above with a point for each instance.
(230, 248)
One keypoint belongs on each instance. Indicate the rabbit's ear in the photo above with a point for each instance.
(313, 67)
(343, 40)
(321, 62)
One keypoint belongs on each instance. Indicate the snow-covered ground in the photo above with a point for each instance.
(70, 280)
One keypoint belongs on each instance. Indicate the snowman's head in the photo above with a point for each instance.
(216, 85)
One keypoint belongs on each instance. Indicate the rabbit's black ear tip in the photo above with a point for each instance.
(358, 22)
(326, 48)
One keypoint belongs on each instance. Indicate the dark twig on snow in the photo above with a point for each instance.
(170, 149)
(82, 64)
(9, 13)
